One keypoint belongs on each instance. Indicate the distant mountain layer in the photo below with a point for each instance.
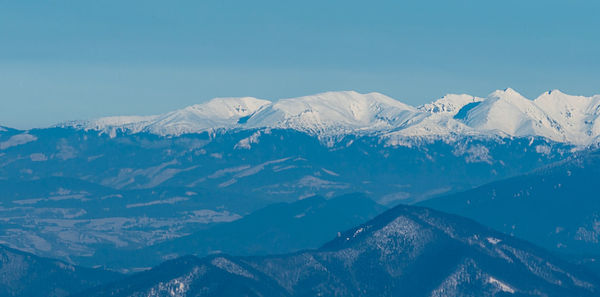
(26, 275)
(277, 228)
(557, 207)
(77, 193)
(407, 251)
(553, 115)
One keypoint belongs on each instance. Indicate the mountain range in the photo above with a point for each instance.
(553, 115)
(84, 189)
(70, 194)
(238, 182)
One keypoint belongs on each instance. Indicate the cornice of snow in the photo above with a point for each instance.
(553, 115)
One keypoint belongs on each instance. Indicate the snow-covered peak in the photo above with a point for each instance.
(507, 93)
(214, 114)
(507, 111)
(450, 103)
(334, 111)
(555, 92)
(342, 105)
(228, 108)
(558, 100)
(578, 115)
(510, 97)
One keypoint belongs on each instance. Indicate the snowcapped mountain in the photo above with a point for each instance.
(450, 104)
(214, 114)
(553, 115)
(509, 112)
(335, 112)
(578, 115)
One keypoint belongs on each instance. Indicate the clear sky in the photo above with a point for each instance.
(62, 60)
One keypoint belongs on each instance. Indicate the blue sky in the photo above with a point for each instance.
(63, 60)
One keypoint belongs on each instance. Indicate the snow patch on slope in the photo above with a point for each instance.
(247, 142)
(17, 140)
(502, 286)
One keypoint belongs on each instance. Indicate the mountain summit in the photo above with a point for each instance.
(335, 112)
(214, 114)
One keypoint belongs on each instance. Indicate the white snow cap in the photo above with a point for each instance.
(334, 112)
(553, 115)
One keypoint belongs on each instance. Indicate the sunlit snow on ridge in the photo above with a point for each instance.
(553, 115)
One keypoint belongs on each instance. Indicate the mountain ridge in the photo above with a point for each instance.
(563, 194)
(406, 251)
(23, 274)
(553, 115)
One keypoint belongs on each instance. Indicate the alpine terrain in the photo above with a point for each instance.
(82, 190)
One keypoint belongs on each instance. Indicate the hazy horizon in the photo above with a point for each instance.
(74, 60)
